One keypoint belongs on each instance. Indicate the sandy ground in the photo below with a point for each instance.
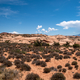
(52, 63)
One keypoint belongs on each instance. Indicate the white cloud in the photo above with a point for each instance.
(43, 29)
(68, 24)
(52, 29)
(39, 27)
(14, 32)
(6, 12)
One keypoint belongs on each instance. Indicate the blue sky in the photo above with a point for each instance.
(49, 17)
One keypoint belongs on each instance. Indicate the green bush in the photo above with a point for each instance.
(76, 45)
(58, 76)
(67, 44)
(56, 44)
(40, 43)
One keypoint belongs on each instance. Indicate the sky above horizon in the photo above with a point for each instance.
(51, 17)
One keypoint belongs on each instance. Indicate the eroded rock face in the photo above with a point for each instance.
(30, 38)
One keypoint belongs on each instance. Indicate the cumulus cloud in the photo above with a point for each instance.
(52, 29)
(39, 30)
(14, 32)
(39, 27)
(68, 24)
(43, 29)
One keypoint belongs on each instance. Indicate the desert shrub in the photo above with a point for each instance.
(32, 76)
(10, 56)
(69, 53)
(67, 65)
(8, 63)
(67, 44)
(2, 59)
(74, 58)
(76, 45)
(17, 51)
(76, 76)
(28, 59)
(60, 70)
(38, 62)
(66, 57)
(60, 56)
(59, 66)
(60, 52)
(47, 70)
(78, 54)
(70, 67)
(25, 67)
(33, 56)
(55, 54)
(56, 44)
(76, 66)
(40, 43)
(47, 60)
(45, 44)
(34, 61)
(74, 63)
(38, 57)
(18, 62)
(7, 41)
(52, 68)
(64, 70)
(58, 76)
(19, 56)
(43, 64)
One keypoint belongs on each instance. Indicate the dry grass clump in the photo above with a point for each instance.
(9, 74)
